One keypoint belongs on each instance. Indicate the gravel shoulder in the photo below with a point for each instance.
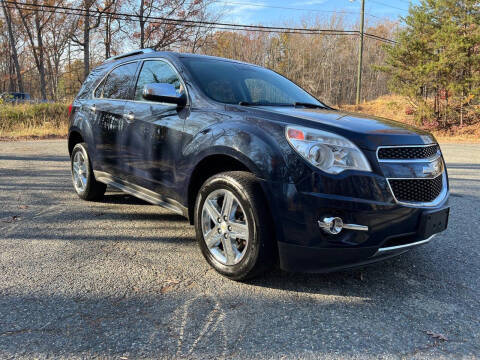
(125, 279)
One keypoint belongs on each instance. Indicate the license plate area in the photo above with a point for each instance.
(433, 222)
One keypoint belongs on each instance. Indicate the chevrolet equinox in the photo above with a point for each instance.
(265, 172)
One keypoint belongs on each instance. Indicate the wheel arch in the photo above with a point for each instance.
(222, 160)
(207, 167)
(74, 137)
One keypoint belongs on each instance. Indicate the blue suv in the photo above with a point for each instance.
(267, 173)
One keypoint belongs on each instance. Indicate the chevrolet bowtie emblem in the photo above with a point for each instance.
(432, 169)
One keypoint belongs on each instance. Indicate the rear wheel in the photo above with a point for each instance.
(84, 182)
(233, 225)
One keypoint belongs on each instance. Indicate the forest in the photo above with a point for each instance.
(430, 58)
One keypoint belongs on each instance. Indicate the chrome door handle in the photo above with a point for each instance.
(129, 116)
(92, 108)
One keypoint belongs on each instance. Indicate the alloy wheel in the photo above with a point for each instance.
(225, 227)
(79, 171)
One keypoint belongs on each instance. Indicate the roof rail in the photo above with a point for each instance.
(131, 53)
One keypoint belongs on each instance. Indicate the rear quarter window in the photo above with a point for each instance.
(90, 82)
(99, 90)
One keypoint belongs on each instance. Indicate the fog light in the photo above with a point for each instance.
(331, 225)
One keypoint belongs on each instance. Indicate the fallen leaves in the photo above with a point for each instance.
(11, 219)
(14, 218)
(171, 284)
(437, 336)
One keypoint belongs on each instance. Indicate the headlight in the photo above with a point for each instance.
(329, 152)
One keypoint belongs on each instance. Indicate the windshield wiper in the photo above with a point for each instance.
(310, 105)
(246, 103)
(295, 104)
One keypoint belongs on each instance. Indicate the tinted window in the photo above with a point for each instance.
(230, 82)
(119, 82)
(87, 86)
(263, 92)
(155, 71)
(221, 90)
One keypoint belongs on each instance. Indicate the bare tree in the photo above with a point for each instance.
(144, 11)
(13, 45)
(56, 43)
(90, 18)
(35, 34)
(164, 23)
(200, 35)
(111, 25)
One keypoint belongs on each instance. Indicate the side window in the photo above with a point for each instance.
(263, 92)
(156, 71)
(86, 89)
(119, 81)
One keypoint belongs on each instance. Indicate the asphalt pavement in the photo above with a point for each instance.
(124, 279)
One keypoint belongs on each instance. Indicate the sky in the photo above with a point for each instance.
(282, 12)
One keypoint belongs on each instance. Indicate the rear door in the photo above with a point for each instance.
(156, 131)
(108, 106)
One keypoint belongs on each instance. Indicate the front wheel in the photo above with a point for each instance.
(233, 225)
(84, 182)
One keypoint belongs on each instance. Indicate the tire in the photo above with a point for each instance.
(84, 182)
(252, 248)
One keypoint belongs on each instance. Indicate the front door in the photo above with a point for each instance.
(155, 133)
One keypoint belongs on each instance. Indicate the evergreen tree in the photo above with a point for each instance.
(436, 62)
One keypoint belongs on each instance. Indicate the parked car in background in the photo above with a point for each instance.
(266, 172)
(15, 97)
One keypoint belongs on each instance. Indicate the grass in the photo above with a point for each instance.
(391, 107)
(30, 121)
(398, 108)
(46, 131)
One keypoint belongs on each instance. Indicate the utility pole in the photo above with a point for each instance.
(360, 54)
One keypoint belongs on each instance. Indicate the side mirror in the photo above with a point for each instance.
(163, 92)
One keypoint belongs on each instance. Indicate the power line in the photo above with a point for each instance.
(83, 11)
(192, 23)
(388, 5)
(409, 2)
(295, 8)
(202, 24)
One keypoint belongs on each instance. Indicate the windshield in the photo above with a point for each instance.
(234, 83)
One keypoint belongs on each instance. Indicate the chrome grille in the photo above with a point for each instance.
(428, 186)
(408, 152)
(416, 190)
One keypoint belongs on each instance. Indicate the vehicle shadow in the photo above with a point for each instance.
(355, 281)
(117, 197)
(62, 159)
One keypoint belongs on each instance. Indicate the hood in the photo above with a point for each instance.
(366, 131)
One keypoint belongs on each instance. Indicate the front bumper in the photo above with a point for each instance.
(304, 247)
(306, 259)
